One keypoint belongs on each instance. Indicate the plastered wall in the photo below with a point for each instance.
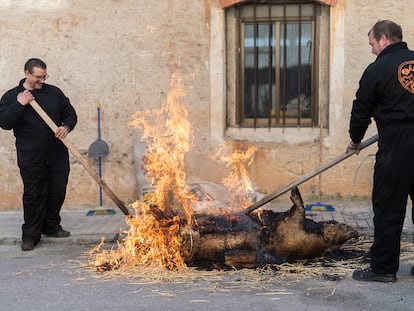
(124, 53)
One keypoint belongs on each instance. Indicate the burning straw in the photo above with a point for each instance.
(352, 256)
(151, 241)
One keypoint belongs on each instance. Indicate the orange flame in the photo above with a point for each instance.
(238, 181)
(153, 238)
(169, 135)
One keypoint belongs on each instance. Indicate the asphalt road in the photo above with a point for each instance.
(58, 277)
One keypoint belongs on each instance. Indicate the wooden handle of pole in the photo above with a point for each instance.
(309, 175)
(45, 117)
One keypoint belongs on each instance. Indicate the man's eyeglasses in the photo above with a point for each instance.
(40, 77)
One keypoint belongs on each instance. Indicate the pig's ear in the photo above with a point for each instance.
(296, 197)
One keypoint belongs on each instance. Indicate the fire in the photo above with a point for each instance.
(153, 238)
(153, 241)
(169, 135)
(238, 181)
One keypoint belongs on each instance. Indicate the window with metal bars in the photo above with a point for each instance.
(275, 64)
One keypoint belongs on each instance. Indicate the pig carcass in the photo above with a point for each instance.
(262, 237)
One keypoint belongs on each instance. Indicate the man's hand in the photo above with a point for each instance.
(353, 146)
(62, 132)
(25, 97)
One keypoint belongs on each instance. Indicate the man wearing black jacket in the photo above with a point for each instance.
(386, 93)
(42, 158)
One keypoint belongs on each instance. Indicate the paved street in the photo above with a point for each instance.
(57, 275)
(52, 277)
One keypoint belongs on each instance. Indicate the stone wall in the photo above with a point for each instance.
(123, 53)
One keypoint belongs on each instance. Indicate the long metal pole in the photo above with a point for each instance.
(80, 158)
(309, 175)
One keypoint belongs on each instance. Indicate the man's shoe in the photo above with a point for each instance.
(28, 245)
(370, 276)
(59, 234)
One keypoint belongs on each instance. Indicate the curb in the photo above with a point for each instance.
(82, 239)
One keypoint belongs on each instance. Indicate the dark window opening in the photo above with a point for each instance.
(276, 65)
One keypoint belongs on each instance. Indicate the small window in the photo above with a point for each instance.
(275, 71)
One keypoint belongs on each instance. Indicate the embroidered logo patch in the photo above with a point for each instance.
(406, 75)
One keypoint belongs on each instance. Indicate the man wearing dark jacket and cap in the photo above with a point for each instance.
(386, 93)
(42, 158)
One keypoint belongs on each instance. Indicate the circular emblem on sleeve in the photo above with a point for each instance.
(406, 75)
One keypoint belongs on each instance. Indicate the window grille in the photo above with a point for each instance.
(276, 64)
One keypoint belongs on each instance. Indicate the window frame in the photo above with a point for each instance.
(235, 78)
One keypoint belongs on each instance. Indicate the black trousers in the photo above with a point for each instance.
(45, 177)
(393, 183)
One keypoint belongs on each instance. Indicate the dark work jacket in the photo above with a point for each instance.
(385, 93)
(31, 132)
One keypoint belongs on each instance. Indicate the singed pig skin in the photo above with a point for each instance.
(262, 237)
